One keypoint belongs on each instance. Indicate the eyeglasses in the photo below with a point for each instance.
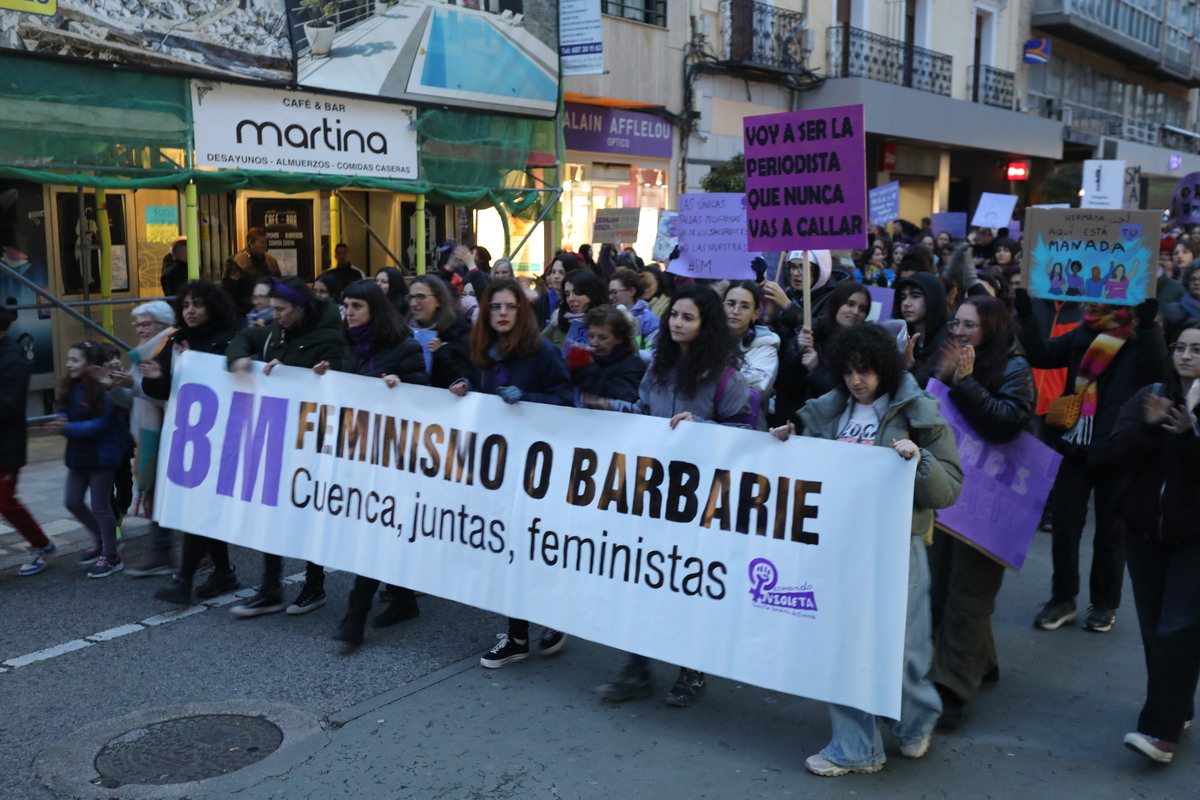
(1179, 348)
(145, 324)
(732, 304)
(967, 327)
(503, 306)
(418, 298)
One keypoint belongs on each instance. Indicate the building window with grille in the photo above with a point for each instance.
(651, 12)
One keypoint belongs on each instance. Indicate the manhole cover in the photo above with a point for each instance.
(186, 749)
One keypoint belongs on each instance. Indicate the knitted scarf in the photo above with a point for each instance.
(1115, 329)
(362, 343)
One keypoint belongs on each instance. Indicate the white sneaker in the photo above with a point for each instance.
(916, 749)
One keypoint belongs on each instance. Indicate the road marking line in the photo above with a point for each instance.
(114, 633)
(49, 652)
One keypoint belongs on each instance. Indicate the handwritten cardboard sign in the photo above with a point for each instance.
(711, 231)
(884, 203)
(806, 183)
(1091, 254)
(616, 224)
(994, 210)
(1005, 487)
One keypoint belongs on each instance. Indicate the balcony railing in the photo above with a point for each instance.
(763, 36)
(991, 86)
(1128, 18)
(855, 53)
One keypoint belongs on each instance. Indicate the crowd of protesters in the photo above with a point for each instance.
(1114, 388)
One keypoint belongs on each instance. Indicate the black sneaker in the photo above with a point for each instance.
(177, 592)
(687, 689)
(504, 653)
(217, 583)
(1099, 619)
(267, 601)
(631, 684)
(551, 642)
(1055, 614)
(310, 599)
(350, 630)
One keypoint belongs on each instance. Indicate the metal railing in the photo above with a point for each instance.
(855, 53)
(991, 86)
(1130, 18)
(761, 35)
(65, 307)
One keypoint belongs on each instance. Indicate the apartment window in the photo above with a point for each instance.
(651, 12)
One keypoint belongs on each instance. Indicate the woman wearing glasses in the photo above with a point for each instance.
(515, 363)
(992, 385)
(431, 308)
(1156, 445)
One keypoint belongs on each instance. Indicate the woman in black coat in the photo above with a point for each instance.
(992, 385)
(432, 307)
(209, 321)
(1155, 446)
(376, 344)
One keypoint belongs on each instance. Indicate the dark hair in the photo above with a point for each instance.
(1175, 386)
(622, 325)
(397, 291)
(478, 281)
(755, 297)
(7, 317)
(388, 327)
(524, 338)
(1188, 244)
(865, 258)
(585, 253)
(108, 351)
(713, 350)
(996, 324)
(1008, 244)
(93, 392)
(256, 233)
(222, 316)
(568, 260)
(917, 258)
(826, 325)
(447, 313)
(481, 253)
(868, 348)
(332, 285)
(584, 282)
(638, 281)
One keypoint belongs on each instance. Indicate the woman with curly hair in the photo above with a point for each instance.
(515, 364)
(879, 404)
(694, 377)
(581, 290)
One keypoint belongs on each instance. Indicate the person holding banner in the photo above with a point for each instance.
(610, 366)
(376, 344)
(694, 377)
(306, 331)
(1114, 352)
(1156, 444)
(881, 405)
(208, 321)
(515, 364)
(992, 385)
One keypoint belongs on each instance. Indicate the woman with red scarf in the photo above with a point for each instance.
(1113, 353)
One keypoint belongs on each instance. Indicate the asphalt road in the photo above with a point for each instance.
(411, 714)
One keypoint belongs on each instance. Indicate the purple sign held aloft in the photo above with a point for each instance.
(952, 222)
(806, 185)
(1005, 487)
(599, 129)
(884, 203)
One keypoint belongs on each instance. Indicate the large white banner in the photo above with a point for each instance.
(782, 565)
(244, 127)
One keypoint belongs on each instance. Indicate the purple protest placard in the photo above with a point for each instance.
(806, 186)
(599, 129)
(952, 222)
(1005, 487)
(711, 230)
(882, 300)
(884, 203)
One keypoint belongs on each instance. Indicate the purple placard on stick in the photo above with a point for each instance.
(952, 222)
(1005, 487)
(711, 229)
(806, 186)
(599, 129)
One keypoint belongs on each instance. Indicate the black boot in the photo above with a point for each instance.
(403, 606)
(177, 591)
(350, 629)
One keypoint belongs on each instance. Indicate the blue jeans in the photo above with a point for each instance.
(857, 740)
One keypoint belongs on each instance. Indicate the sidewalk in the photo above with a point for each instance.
(40, 489)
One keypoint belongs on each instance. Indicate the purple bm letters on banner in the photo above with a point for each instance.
(1005, 487)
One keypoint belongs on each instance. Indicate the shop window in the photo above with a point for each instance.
(651, 12)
